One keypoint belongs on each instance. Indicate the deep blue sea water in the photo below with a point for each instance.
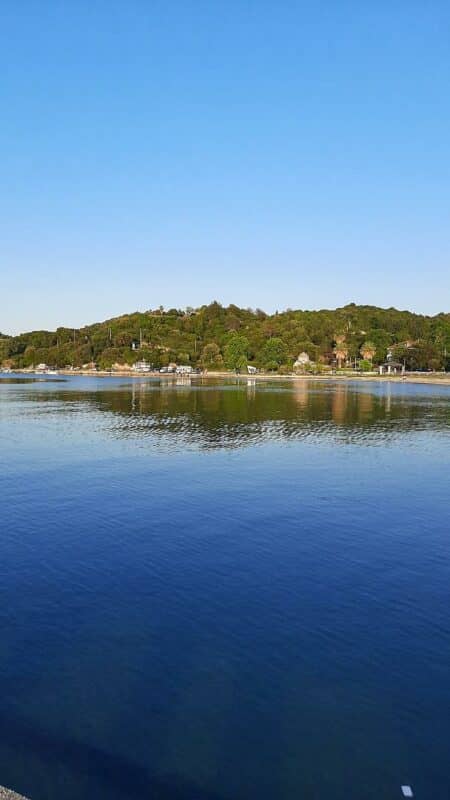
(224, 591)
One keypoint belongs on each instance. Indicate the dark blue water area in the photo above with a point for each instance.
(217, 591)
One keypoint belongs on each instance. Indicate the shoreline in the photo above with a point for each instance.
(434, 379)
(440, 378)
(8, 794)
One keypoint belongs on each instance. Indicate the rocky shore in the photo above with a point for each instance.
(7, 794)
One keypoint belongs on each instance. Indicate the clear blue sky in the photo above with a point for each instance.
(292, 154)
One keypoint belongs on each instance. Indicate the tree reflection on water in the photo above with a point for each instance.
(205, 414)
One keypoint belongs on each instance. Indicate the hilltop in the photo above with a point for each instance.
(214, 336)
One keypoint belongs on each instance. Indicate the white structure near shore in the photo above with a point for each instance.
(141, 366)
(391, 367)
(303, 361)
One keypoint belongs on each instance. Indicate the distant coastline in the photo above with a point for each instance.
(216, 338)
(436, 378)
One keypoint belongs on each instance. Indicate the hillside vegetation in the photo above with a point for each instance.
(214, 337)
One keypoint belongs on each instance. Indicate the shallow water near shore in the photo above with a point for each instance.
(224, 590)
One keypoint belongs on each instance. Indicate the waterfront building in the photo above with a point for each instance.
(303, 362)
(390, 366)
(141, 366)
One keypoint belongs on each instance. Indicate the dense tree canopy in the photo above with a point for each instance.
(213, 335)
(236, 351)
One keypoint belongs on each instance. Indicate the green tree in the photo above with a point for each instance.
(211, 355)
(236, 352)
(340, 349)
(368, 350)
(274, 353)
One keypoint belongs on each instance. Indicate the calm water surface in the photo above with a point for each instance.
(224, 591)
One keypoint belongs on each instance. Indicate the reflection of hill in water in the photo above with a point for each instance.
(228, 416)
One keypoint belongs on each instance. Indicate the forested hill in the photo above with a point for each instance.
(214, 336)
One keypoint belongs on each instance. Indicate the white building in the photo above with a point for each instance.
(302, 361)
(141, 366)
